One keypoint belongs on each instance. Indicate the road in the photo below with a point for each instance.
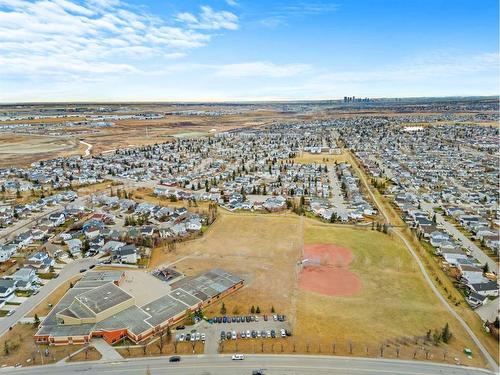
(89, 147)
(272, 364)
(453, 231)
(66, 273)
(490, 360)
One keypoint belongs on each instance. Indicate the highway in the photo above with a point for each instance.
(272, 364)
(66, 273)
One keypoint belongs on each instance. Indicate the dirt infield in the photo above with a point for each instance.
(326, 271)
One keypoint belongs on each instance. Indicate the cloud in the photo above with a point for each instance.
(232, 3)
(431, 67)
(209, 19)
(280, 14)
(45, 37)
(260, 69)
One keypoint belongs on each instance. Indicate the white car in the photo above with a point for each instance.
(181, 337)
(198, 336)
(203, 337)
(238, 357)
(283, 332)
(233, 335)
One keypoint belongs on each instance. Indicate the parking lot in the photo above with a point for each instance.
(259, 327)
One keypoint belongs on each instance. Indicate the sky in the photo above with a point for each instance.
(229, 50)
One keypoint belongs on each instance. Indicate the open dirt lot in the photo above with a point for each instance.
(24, 149)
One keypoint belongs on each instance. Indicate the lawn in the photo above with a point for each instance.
(43, 307)
(394, 307)
(22, 348)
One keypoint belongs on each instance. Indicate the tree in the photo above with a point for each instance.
(36, 322)
(436, 337)
(486, 268)
(223, 309)
(252, 309)
(257, 310)
(446, 334)
(272, 310)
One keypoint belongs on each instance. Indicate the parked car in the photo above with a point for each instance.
(233, 335)
(273, 333)
(188, 337)
(203, 337)
(283, 333)
(198, 336)
(247, 334)
(181, 337)
(222, 335)
(238, 357)
(180, 327)
(265, 318)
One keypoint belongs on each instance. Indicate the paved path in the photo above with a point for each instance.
(107, 351)
(273, 365)
(489, 359)
(89, 147)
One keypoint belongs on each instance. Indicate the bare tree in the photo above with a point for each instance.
(350, 347)
(333, 347)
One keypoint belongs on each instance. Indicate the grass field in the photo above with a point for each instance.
(43, 307)
(394, 309)
(405, 307)
(307, 158)
(23, 350)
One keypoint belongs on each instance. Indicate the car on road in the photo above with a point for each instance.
(92, 266)
(83, 270)
(180, 327)
(174, 358)
(258, 372)
(238, 357)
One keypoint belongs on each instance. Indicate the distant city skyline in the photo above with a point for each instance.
(235, 50)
